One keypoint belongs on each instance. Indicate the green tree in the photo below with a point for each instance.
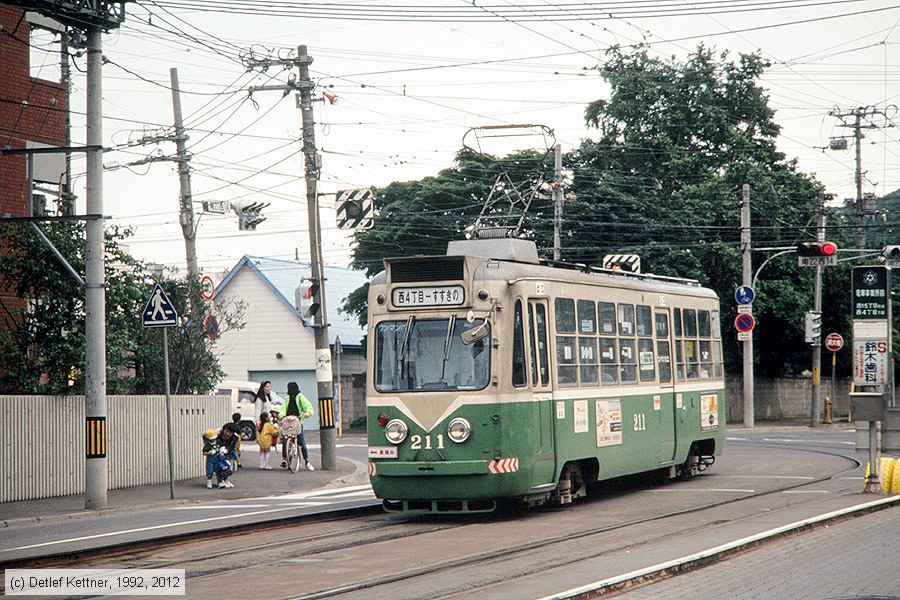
(420, 217)
(677, 140)
(42, 336)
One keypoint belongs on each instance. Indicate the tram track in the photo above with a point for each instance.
(485, 558)
(321, 541)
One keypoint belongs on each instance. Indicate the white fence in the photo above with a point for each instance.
(42, 445)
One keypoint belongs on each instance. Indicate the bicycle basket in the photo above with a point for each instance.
(290, 425)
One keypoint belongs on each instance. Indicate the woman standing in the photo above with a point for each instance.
(264, 398)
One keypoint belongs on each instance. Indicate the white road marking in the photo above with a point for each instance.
(804, 478)
(218, 506)
(734, 439)
(318, 493)
(691, 490)
(151, 528)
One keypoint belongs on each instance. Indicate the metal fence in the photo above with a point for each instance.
(42, 444)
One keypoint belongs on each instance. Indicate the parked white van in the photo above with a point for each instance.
(243, 401)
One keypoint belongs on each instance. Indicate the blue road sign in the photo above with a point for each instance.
(744, 323)
(744, 295)
(159, 310)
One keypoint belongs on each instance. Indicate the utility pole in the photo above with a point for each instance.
(66, 205)
(312, 164)
(96, 477)
(860, 120)
(747, 278)
(186, 218)
(557, 201)
(815, 406)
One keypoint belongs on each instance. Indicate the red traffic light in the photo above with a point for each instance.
(816, 249)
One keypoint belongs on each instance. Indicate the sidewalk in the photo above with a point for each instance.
(249, 482)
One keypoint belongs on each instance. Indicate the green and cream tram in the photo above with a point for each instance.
(493, 376)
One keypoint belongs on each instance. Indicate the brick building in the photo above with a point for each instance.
(32, 112)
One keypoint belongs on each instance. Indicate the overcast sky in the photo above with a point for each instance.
(409, 89)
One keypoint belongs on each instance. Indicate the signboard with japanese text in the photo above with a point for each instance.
(870, 362)
(871, 292)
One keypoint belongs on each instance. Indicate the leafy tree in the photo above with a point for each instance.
(420, 217)
(42, 339)
(677, 140)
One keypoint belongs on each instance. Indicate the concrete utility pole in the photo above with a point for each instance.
(96, 477)
(747, 279)
(557, 201)
(860, 121)
(311, 161)
(816, 404)
(311, 172)
(186, 219)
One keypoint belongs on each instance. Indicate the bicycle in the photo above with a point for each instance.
(291, 433)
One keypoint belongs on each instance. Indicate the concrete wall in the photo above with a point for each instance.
(784, 398)
(42, 445)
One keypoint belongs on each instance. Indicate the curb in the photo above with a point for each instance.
(359, 475)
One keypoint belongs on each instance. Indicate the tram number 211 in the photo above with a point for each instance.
(640, 422)
(416, 442)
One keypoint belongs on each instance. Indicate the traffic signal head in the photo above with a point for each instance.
(816, 249)
(305, 298)
(892, 252)
(813, 327)
(249, 214)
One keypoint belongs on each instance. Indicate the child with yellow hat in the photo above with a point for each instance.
(210, 448)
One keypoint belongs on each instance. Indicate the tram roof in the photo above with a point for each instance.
(519, 265)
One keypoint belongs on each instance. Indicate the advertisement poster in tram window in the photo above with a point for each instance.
(609, 423)
(709, 411)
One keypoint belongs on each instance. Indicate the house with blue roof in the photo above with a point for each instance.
(276, 344)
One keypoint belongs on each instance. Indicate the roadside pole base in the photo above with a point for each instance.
(873, 486)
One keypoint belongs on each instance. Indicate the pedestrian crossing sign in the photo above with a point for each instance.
(159, 310)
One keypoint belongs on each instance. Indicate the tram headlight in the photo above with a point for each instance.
(395, 431)
(459, 430)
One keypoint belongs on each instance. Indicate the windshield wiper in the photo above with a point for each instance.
(450, 325)
(402, 358)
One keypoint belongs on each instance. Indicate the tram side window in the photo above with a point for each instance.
(676, 321)
(607, 312)
(662, 325)
(665, 365)
(626, 319)
(690, 322)
(519, 374)
(717, 358)
(645, 360)
(565, 315)
(679, 360)
(691, 356)
(587, 359)
(587, 317)
(644, 321)
(566, 370)
(543, 354)
(715, 324)
(608, 366)
(533, 339)
(706, 361)
(703, 323)
(627, 361)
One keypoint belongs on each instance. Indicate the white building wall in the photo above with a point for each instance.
(270, 327)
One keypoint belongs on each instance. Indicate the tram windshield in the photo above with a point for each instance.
(430, 355)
